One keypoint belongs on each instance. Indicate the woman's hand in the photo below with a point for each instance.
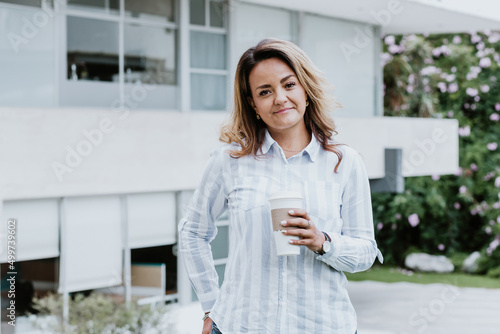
(207, 326)
(309, 235)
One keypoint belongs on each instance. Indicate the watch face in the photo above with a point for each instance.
(326, 246)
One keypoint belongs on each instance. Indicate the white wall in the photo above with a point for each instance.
(161, 151)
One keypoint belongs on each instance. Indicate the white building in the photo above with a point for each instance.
(109, 108)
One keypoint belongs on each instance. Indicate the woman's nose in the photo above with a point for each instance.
(280, 98)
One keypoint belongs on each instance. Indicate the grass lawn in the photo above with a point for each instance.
(391, 275)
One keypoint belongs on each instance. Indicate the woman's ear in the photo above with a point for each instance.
(250, 102)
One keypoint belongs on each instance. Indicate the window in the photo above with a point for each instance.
(33, 3)
(108, 6)
(92, 49)
(208, 60)
(110, 50)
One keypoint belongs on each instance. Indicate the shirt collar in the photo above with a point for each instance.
(312, 149)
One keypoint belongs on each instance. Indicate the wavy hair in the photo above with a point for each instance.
(244, 129)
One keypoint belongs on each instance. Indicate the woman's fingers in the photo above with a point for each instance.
(298, 222)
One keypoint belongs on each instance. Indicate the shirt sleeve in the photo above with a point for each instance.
(354, 249)
(197, 229)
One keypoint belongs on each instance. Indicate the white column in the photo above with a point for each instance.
(184, 290)
(184, 58)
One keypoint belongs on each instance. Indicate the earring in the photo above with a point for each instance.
(258, 116)
(307, 103)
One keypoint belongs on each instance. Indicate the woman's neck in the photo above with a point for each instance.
(292, 141)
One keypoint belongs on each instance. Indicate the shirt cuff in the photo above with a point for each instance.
(336, 246)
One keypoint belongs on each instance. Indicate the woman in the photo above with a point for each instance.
(279, 138)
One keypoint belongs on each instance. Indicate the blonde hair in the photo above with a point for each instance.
(244, 129)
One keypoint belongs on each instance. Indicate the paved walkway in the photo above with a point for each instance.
(388, 308)
(408, 308)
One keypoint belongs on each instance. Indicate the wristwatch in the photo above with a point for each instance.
(327, 245)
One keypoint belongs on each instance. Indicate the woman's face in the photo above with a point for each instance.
(277, 95)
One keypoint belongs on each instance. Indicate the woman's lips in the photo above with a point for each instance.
(282, 111)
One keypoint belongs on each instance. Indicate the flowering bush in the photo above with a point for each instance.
(446, 76)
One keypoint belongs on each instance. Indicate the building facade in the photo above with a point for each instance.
(109, 109)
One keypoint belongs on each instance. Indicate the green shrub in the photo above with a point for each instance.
(98, 313)
(446, 76)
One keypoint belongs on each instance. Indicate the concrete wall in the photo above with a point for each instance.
(70, 152)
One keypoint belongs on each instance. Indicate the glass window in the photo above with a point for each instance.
(34, 3)
(92, 49)
(150, 55)
(110, 6)
(197, 12)
(217, 13)
(208, 50)
(208, 92)
(27, 69)
(150, 9)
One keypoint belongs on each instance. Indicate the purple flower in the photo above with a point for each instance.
(496, 205)
(476, 98)
(459, 171)
(456, 205)
(394, 48)
(475, 39)
(492, 146)
(487, 230)
(497, 106)
(441, 247)
(450, 77)
(493, 245)
(397, 216)
(380, 225)
(452, 88)
(498, 219)
(488, 176)
(435, 177)
(497, 182)
(473, 167)
(495, 37)
(462, 189)
(464, 132)
(471, 91)
(442, 86)
(485, 62)
(492, 222)
(473, 212)
(390, 40)
(409, 89)
(495, 117)
(413, 220)
(473, 106)
(386, 57)
(485, 88)
(429, 70)
(457, 39)
(450, 114)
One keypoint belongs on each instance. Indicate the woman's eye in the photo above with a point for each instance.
(263, 92)
(290, 85)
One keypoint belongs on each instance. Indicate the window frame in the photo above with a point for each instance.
(121, 19)
(207, 28)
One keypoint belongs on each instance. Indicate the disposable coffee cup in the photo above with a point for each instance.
(281, 203)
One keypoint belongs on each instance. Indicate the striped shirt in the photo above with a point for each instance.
(263, 293)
